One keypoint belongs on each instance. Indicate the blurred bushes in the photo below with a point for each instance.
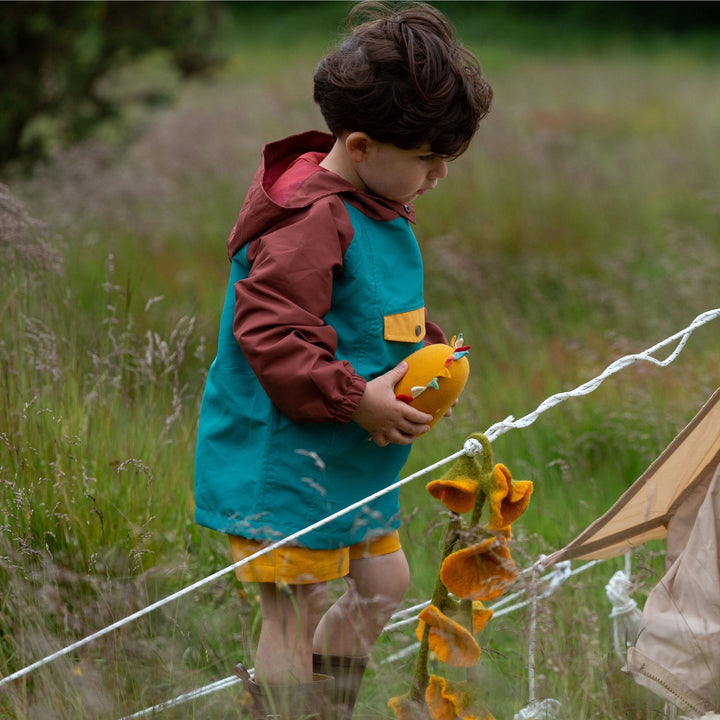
(53, 55)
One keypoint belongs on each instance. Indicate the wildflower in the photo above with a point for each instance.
(508, 499)
(450, 641)
(480, 572)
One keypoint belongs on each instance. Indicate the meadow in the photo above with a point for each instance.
(579, 227)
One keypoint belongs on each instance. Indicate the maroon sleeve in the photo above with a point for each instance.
(433, 333)
(279, 310)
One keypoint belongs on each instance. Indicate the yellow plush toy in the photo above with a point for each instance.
(435, 377)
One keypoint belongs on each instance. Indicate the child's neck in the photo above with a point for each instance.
(339, 162)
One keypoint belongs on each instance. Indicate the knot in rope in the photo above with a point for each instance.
(546, 709)
(625, 613)
(472, 447)
(618, 593)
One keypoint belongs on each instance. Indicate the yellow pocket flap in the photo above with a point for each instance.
(405, 327)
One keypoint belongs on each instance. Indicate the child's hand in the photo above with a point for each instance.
(386, 418)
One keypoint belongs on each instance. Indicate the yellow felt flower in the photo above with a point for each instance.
(508, 499)
(480, 572)
(448, 700)
(449, 640)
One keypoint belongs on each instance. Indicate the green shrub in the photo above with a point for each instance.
(53, 55)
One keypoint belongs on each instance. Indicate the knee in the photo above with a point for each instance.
(386, 577)
(397, 579)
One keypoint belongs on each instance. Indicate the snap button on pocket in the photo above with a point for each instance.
(408, 326)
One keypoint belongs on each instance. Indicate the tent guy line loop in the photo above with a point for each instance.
(468, 449)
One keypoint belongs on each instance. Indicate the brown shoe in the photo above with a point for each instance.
(303, 701)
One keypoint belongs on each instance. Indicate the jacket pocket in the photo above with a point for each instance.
(406, 327)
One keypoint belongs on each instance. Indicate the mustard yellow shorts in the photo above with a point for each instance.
(301, 566)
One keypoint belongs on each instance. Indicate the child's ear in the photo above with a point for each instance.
(356, 144)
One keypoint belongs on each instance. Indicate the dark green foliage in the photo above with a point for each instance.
(584, 25)
(671, 17)
(52, 55)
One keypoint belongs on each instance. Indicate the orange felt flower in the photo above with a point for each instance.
(445, 700)
(480, 616)
(407, 709)
(457, 494)
(449, 640)
(508, 499)
(449, 700)
(480, 572)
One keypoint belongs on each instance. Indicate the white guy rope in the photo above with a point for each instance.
(683, 335)
(471, 447)
(185, 697)
(532, 634)
(219, 573)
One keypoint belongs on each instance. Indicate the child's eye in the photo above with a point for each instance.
(435, 156)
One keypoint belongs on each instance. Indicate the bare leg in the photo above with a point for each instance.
(290, 614)
(352, 625)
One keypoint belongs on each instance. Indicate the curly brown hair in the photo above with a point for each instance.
(402, 78)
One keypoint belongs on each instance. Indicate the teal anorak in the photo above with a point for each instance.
(325, 293)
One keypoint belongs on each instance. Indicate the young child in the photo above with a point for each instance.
(299, 418)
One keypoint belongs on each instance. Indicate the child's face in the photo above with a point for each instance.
(400, 175)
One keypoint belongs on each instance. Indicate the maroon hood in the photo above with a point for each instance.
(290, 178)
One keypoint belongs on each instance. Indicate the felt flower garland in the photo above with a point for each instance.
(476, 565)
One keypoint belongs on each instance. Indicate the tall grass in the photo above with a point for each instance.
(581, 226)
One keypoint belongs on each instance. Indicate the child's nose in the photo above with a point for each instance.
(440, 170)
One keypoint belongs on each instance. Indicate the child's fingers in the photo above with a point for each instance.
(380, 438)
(416, 417)
(404, 431)
(397, 373)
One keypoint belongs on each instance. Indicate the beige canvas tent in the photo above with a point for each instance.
(673, 486)
(676, 653)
